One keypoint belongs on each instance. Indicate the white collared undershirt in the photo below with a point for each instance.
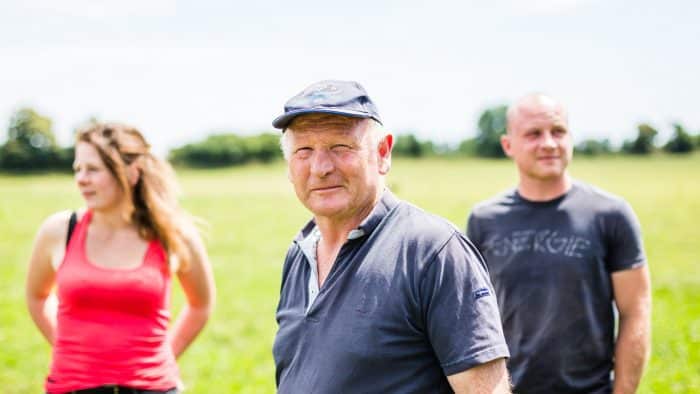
(309, 246)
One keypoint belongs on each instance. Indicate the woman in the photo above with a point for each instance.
(109, 330)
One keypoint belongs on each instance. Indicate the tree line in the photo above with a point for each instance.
(31, 145)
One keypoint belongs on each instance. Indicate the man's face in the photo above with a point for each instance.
(337, 172)
(538, 141)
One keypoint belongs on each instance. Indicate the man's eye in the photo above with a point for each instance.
(341, 147)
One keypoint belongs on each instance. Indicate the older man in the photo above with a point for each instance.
(559, 252)
(377, 295)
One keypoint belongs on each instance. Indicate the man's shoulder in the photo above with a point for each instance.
(414, 221)
(597, 199)
(495, 206)
(423, 235)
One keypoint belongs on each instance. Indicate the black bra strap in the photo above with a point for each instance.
(71, 226)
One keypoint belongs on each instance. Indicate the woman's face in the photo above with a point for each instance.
(97, 185)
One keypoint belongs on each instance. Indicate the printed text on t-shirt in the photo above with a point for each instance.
(541, 241)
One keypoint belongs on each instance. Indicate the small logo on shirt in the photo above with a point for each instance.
(482, 292)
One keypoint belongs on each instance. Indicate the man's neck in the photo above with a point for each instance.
(335, 230)
(543, 189)
(334, 233)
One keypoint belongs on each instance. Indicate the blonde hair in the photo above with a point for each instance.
(153, 206)
(321, 121)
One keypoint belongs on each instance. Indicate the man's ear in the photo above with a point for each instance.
(505, 144)
(384, 149)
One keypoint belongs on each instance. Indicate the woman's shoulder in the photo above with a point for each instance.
(54, 228)
(192, 237)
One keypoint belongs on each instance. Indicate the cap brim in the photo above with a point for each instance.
(283, 121)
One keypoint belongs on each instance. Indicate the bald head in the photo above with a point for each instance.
(533, 105)
(538, 140)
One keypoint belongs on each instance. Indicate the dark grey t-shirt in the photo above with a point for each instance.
(404, 305)
(550, 263)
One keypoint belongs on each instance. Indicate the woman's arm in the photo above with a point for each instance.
(49, 247)
(197, 283)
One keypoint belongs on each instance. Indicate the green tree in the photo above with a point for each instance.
(492, 125)
(29, 128)
(681, 142)
(593, 147)
(228, 149)
(466, 147)
(407, 145)
(31, 143)
(263, 147)
(644, 143)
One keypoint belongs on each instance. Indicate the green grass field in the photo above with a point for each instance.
(253, 215)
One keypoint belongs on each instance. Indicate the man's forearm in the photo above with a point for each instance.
(631, 352)
(488, 378)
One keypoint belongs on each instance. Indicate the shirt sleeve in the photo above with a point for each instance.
(473, 230)
(625, 246)
(460, 310)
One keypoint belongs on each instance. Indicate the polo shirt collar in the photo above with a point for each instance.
(386, 203)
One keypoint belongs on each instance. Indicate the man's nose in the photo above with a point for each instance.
(548, 141)
(322, 163)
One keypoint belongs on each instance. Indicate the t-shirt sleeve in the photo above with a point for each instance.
(625, 246)
(460, 310)
(473, 230)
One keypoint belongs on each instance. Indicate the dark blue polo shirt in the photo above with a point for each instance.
(405, 304)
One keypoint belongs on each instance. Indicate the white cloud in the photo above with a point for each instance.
(99, 8)
(544, 7)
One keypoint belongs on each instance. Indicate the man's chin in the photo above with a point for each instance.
(554, 171)
(551, 176)
(327, 208)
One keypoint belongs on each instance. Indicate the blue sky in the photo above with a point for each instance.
(181, 70)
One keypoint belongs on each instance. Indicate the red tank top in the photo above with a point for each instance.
(112, 323)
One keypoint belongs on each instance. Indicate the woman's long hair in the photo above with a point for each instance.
(153, 206)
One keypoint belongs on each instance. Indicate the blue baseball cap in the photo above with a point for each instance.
(347, 98)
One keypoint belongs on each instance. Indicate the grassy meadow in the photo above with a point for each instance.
(253, 214)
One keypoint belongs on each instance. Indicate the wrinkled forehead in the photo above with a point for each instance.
(324, 136)
(321, 121)
(320, 131)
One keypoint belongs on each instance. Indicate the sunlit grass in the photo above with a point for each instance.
(253, 214)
